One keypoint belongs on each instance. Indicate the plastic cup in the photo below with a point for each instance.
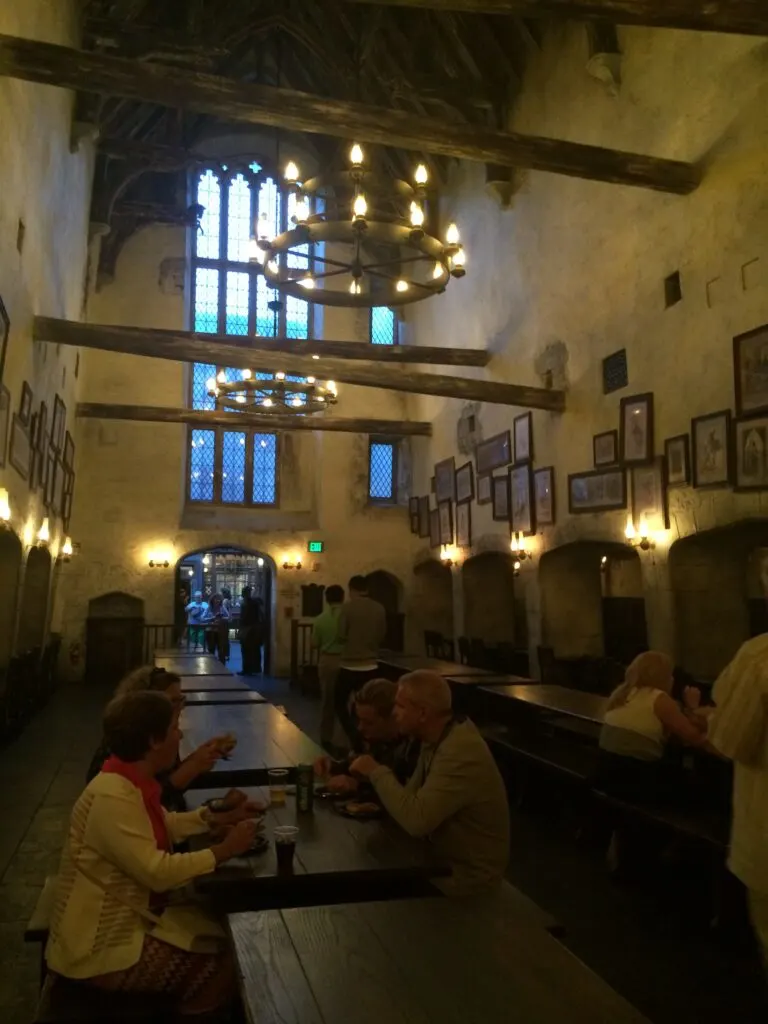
(278, 780)
(285, 847)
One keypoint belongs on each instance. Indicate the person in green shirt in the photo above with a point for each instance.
(325, 637)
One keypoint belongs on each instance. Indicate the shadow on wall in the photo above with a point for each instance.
(33, 621)
(433, 598)
(490, 611)
(592, 601)
(10, 568)
(719, 581)
(388, 591)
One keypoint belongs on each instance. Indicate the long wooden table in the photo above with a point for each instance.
(201, 698)
(555, 699)
(433, 961)
(266, 739)
(403, 663)
(193, 665)
(211, 684)
(337, 859)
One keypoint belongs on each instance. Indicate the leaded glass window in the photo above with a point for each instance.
(382, 471)
(383, 326)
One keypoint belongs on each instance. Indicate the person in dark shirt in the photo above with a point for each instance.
(379, 737)
(252, 632)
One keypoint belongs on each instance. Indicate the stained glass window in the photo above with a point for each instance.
(383, 326)
(202, 456)
(264, 469)
(201, 374)
(233, 468)
(382, 464)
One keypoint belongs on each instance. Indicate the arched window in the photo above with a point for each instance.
(230, 296)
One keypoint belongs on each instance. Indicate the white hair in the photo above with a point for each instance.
(428, 690)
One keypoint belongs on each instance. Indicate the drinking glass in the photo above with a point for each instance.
(285, 847)
(278, 780)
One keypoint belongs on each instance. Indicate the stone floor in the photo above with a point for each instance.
(674, 975)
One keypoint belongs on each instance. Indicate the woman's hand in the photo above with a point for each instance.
(245, 812)
(342, 784)
(204, 758)
(238, 841)
(323, 767)
(692, 698)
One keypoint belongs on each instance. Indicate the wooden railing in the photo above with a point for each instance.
(303, 654)
(158, 636)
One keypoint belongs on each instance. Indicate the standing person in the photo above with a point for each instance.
(739, 730)
(179, 613)
(217, 628)
(251, 632)
(196, 611)
(362, 627)
(325, 637)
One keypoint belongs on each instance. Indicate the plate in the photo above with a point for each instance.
(260, 845)
(324, 793)
(367, 814)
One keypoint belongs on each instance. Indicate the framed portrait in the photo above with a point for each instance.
(432, 485)
(711, 449)
(600, 490)
(464, 524)
(523, 434)
(434, 528)
(413, 512)
(42, 427)
(465, 482)
(484, 488)
(677, 452)
(69, 451)
(605, 448)
(69, 491)
(5, 411)
(5, 330)
(544, 496)
(750, 371)
(494, 453)
(750, 444)
(649, 495)
(636, 429)
(501, 498)
(445, 512)
(50, 477)
(58, 425)
(25, 405)
(60, 476)
(424, 516)
(521, 499)
(20, 454)
(445, 480)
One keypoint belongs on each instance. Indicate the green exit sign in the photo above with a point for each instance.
(315, 547)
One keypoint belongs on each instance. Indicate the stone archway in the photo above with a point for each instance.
(10, 569)
(433, 598)
(388, 591)
(33, 621)
(489, 598)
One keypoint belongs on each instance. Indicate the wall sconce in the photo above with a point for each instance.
(604, 564)
(67, 550)
(449, 555)
(292, 562)
(516, 567)
(639, 538)
(159, 560)
(44, 533)
(517, 546)
(5, 507)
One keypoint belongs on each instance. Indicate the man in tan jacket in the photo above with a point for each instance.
(456, 796)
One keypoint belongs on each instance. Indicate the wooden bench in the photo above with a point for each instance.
(572, 762)
(697, 826)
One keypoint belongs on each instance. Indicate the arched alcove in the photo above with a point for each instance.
(388, 591)
(33, 621)
(592, 602)
(718, 580)
(114, 637)
(433, 598)
(489, 598)
(10, 567)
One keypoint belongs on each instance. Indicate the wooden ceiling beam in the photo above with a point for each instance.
(279, 421)
(197, 348)
(230, 100)
(743, 17)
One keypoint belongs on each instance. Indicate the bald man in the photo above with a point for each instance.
(456, 795)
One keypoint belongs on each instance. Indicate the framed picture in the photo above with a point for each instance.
(42, 427)
(25, 405)
(5, 330)
(50, 477)
(69, 451)
(413, 512)
(711, 449)
(60, 475)
(521, 499)
(434, 528)
(649, 495)
(424, 516)
(445, 480)
(636, 429)
(494, 453)
(35, 458)
(523, 431)
(750, 437)
(465, 482)
(601, 490)
(677, 452)
(44, 465)
(69, 491)
(484, 488)
(605, 448)
(445, 512)
(464, 524)
(5, 409)
(432, 485)
(21, 451)
(59, 421)
(501, 498)
(544, 496)
(750, 371)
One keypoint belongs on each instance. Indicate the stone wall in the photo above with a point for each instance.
(574, 270)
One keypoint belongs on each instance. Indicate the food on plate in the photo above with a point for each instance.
(362, 807)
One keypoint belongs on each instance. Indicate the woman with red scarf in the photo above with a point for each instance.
(111, 927)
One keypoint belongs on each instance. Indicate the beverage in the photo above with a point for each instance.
(305, 788)
(278, 779)
(285, 848)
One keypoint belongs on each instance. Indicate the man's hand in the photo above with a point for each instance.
(238, 841)
(246, 811)
(342, 784)
(322, 767)
(364, 765)
(692, 698)
(204, 758)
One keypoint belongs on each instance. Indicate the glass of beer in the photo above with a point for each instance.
(285, 847)
(278, 780)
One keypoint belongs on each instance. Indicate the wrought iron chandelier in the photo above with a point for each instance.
(304, 397)
(372, 246)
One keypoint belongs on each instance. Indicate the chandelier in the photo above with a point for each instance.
(303, 396)
(372, 246)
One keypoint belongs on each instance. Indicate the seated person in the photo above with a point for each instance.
(381, 738)
(456, 795)
(640, 718)
(183, 773)
(117, 858)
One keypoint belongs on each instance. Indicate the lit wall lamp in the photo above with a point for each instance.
(44, 533)
(604, 564)
(516, 567)
(292, 562)
(66, 552)
(449, 555)
(519, 549)
(639, 537)
(159, 560)
(5, 508)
